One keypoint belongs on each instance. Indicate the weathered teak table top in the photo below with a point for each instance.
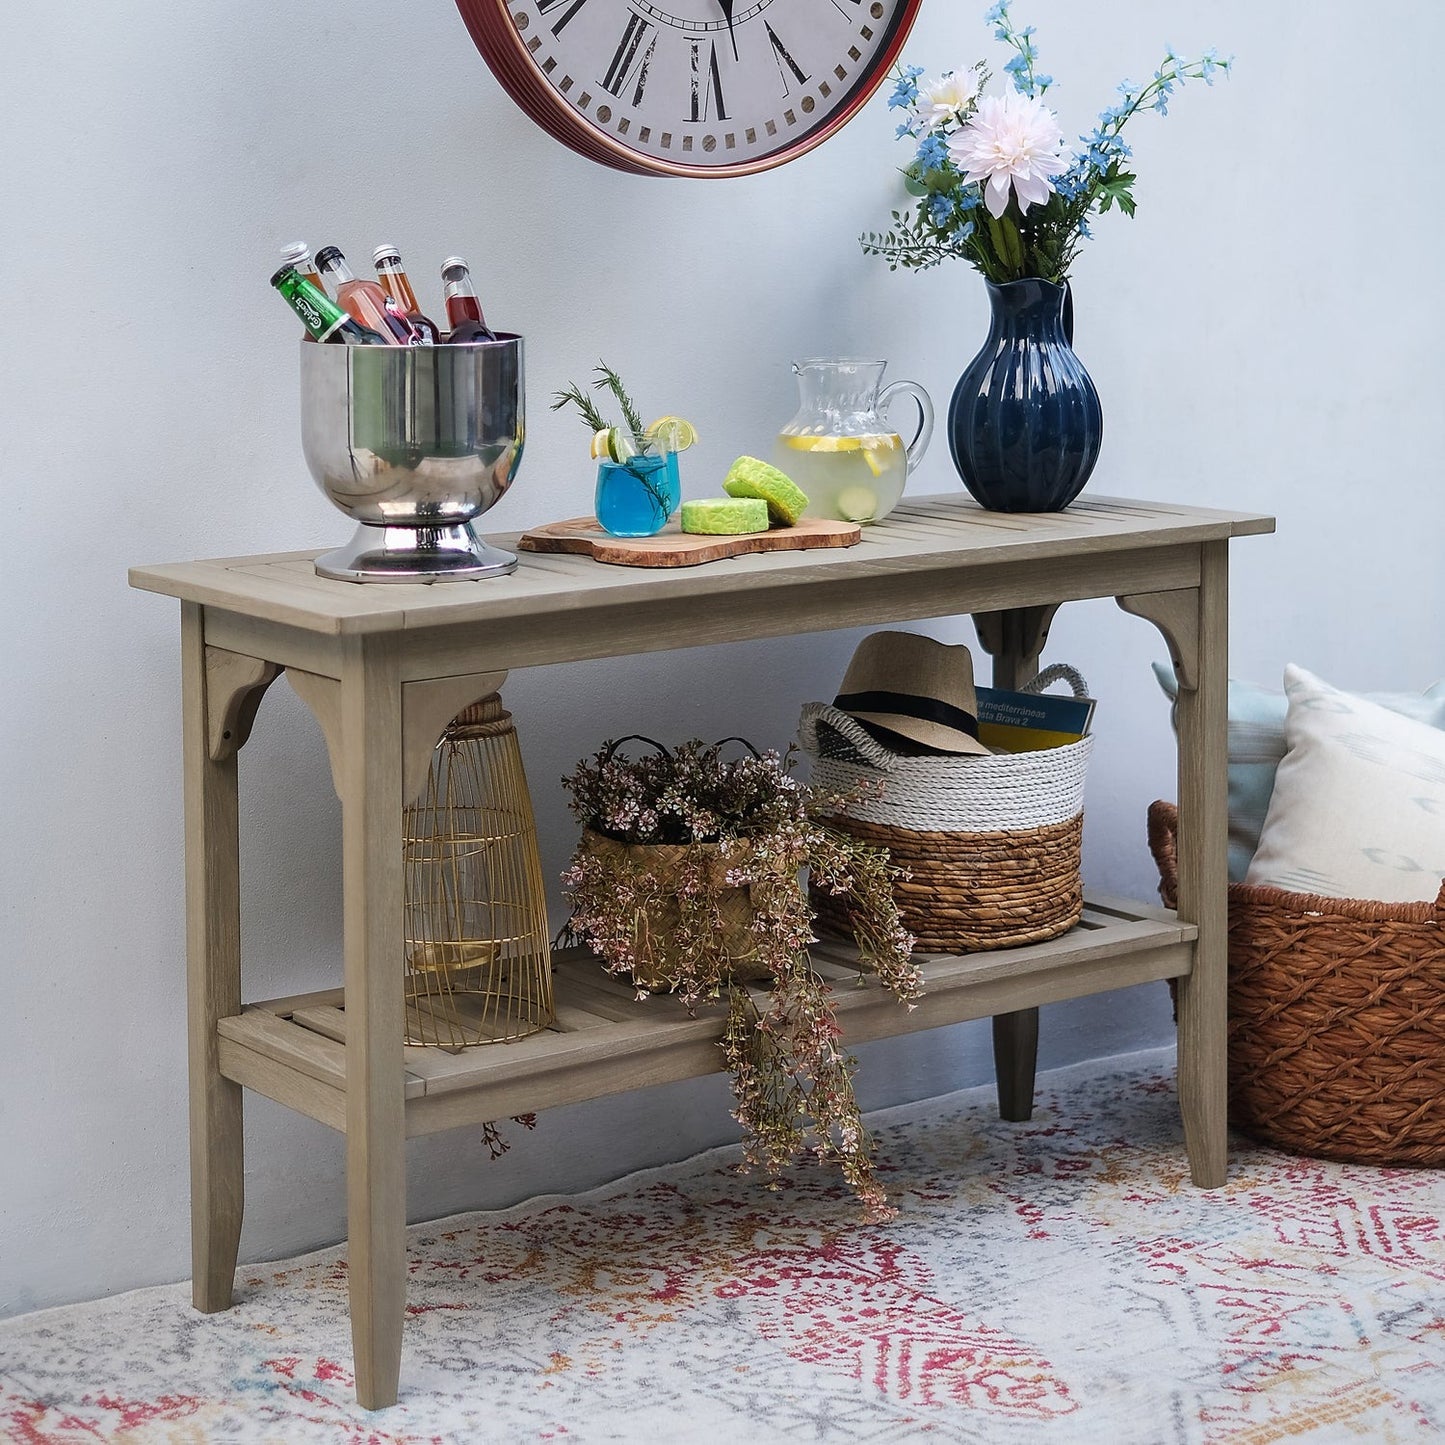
(384, 668)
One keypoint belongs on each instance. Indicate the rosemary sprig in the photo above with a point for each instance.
(608, 380)
(575, 396)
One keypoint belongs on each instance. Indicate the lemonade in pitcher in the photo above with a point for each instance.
(839, 449)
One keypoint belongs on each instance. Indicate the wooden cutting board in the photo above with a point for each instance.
(673, 547)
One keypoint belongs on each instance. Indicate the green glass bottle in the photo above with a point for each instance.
(323, 319)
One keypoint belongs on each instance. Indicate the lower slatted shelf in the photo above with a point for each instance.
(605, 1040)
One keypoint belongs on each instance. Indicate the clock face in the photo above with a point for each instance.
(690, 87)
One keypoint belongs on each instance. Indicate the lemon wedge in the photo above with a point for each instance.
(600, 450)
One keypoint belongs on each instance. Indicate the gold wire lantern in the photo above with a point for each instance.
(478, 960)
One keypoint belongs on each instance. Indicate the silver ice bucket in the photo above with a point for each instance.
(413, 442)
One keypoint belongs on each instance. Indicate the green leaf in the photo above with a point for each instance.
(1116, 188)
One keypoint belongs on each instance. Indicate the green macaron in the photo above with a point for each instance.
(748, 477)
(725, 516)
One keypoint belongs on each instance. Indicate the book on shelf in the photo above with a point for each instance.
(1026, 722)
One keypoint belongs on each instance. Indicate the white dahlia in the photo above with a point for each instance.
(944, 99)
(1011, 141)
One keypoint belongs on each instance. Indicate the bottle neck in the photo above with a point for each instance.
(397, 284)
(336, 270)
(318, 312)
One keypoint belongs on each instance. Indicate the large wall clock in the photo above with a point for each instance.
(690, 87)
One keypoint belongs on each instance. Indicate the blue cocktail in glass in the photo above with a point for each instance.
(636, 497)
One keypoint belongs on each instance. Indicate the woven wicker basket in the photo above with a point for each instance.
(1336, 1018)
(656, 928)
(992, 843)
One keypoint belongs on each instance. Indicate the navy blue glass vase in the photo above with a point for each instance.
(1025, 424)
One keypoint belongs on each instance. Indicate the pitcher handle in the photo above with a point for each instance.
(919, 444)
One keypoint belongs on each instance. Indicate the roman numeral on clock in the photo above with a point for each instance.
(780, 54)
(548, 6)
(706, 84)
(627, 64)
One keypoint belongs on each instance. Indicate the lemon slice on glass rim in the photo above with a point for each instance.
(672, 433)
(612, 444)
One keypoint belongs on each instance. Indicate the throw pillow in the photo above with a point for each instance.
(1256, 744)
(1358, 808)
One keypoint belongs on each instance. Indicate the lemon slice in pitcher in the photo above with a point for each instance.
(886, 443)
(822, 444)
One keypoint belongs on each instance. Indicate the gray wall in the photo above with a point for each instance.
(1264, 335)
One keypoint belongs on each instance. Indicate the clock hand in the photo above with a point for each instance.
(726, 6)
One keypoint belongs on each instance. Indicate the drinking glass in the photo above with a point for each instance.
(636, 497)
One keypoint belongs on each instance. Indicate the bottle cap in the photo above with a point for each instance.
(453, 261)
(327, 254)
(276, 279)
(296, 251)
(382, 252)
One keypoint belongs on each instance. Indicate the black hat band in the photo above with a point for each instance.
(902, 704)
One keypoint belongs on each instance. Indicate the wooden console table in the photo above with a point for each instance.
(385, 668)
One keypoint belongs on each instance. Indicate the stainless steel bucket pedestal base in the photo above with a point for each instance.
(415, 554)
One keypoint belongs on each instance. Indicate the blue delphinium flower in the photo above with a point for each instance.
(905, 89)
(932, 153)
(940, 208)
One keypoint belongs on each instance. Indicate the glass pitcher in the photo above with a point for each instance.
(839, 449)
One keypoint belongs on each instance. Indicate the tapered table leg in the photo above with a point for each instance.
(1015, 640)
(1015, 1062)
(371, 795)
(1203, 881)
(213, 982)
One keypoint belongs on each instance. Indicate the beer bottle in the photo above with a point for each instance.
(298, 254)
(464, 310)
(365, 300)
(392, 277)
(323, 319)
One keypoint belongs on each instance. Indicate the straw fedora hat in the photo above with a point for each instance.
(905, 687)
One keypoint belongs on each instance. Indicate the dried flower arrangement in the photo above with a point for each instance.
(687, 878)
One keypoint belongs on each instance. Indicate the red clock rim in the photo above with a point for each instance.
(502, 47)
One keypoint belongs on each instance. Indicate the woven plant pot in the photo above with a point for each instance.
(1336, 1018)
(655, 929)
(992, 843)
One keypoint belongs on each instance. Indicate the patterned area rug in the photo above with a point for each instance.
(1052, 1281)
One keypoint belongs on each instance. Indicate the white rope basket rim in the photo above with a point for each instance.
(971, 792)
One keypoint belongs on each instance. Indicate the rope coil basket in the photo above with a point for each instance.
(1336, 1018)
(992, 843)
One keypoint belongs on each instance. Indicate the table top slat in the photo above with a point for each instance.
(924, 534)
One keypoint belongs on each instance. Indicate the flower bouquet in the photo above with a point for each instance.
(686, 878)
(997, 185)
(996, 182)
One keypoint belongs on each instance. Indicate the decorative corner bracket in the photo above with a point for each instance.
(235, 685)
(1176, 615)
